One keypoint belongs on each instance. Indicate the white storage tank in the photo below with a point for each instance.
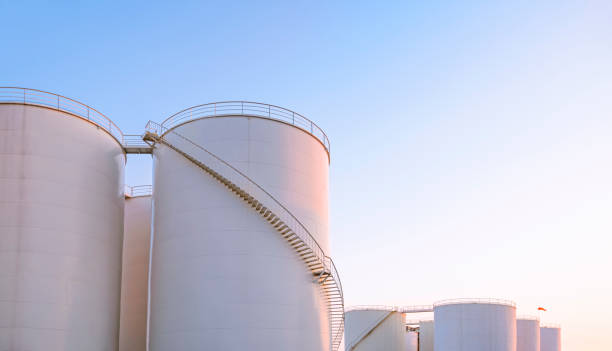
(371, 330)
(527, 334)
(223, 278)
(475, 325)
(426, 336)
(550, 338)
(135, 282)
(61, 224)
(412, 339)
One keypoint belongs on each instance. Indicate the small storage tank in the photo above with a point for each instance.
(475, 325)
(412, 338)
(222, 277)
(135, 274)
(527, 334)
(61, 214)
(550, 338)
(371, 330)
(426, 336)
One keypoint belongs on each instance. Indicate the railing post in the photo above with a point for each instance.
(292, 117)
(24, 93)
(58, 102)
(242, 107)
(310, 127)
(268, 111)
(88, 113)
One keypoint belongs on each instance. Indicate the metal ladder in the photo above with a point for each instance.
(288, 226)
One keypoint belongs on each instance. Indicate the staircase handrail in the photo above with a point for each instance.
(368, 330)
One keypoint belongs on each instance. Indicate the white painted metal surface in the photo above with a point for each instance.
(550, 338)
(61, 228)
(222, 277)
(390, 308)
(412, 341)
(426, 336)
(135, 282)
(527, 334)
(370, 330)
(475, 325)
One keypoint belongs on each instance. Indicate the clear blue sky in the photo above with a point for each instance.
(471, 142)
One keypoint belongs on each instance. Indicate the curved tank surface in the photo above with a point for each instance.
(135, 274)
(370, 330)
(61, 229)
(426, 336)
(475, 325)
(222, 277)
(527, 334)
(550, 338)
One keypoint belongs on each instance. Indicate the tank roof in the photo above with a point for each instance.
(248, 109)
(35, 97)
(469, 301)
(527, 318)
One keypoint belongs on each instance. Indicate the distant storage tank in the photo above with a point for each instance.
(527, 334)
(135, 282)
(426, 336)
(412, 340)
(224, 278)
(475, 325)
(371, 330)
(550, 338)
(61, 220)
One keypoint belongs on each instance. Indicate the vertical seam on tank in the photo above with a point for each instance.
(249, 146)
(19, 233)
(150, 261)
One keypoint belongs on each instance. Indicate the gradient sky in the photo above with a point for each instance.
(471, 141)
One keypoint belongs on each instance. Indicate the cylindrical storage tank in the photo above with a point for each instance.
(135, 275)
(222, 277)
(527, 334)
(371, 330)
(475, 325)
(550, 338)
(426, 336)
(61, 226)
(412, 340)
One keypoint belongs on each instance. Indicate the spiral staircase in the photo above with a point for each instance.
(286, 224)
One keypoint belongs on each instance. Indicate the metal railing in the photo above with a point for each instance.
(488, 301)
(416, 321)
(138, 190)
(550, 325)
(527, 317)
(390, 308)
(17, 95)
(134, 140)
(246, 184)
(248, 108)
